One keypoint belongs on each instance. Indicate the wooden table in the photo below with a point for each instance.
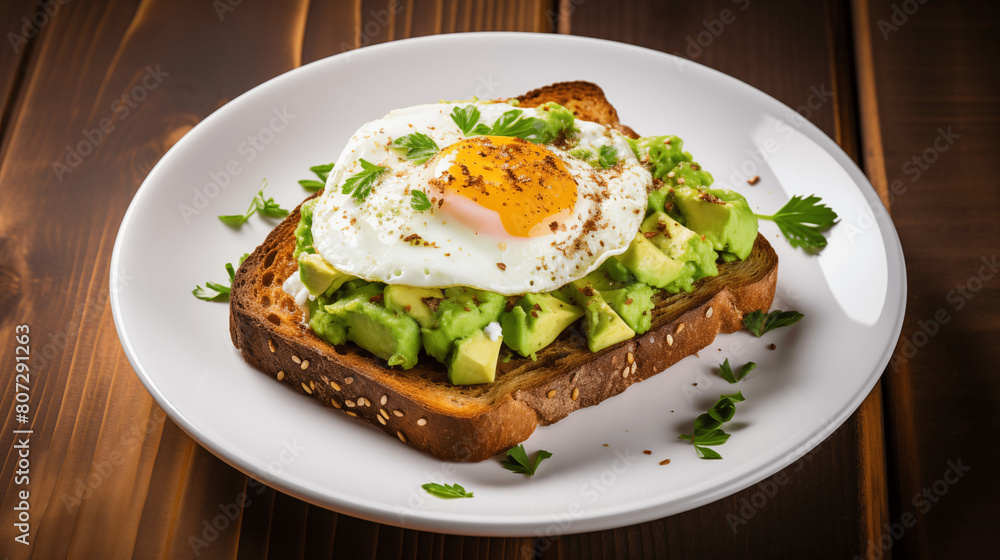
(910, 90)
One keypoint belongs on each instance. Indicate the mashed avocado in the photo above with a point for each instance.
(689, 228)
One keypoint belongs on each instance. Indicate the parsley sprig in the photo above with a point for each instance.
(512, 123)
(416, 147)
(266, 207)
(446, 490)
(517, 460)
(607, 156)
(214, 291)
(465, 118)
(803, 220)
(359, 185)
(708, 427)
(758, 323)
(321, 171)
(419, 201)
(726, 372)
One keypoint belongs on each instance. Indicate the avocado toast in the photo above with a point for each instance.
(422, 407)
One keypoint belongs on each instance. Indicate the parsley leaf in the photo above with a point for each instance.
(707, 427)
(268, 208)
(359, 185)
(213, 291)
(419, 147)
(466, 118)
(517, 460)
(321, 171)
(420, 202)
(446, 490)
(726, 372)
(758, 323)
(513, 123)
(607, 156)
(802, 221)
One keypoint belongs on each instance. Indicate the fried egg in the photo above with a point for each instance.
(504, 215)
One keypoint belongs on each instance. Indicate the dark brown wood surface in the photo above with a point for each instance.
(910, 90)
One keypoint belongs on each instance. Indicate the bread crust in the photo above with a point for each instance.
(472, 423)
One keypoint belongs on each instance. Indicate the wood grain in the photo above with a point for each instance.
(927, 73)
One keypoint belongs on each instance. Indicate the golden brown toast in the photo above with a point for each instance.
(474, 422)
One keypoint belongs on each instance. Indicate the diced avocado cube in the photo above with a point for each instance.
(474, 359)
(602, 325)
(684, 174)
(660, 153)
(649, 264)
(319, 276)
(681, 243)
(536, 321)
(722, 216)
(461, 312)
(634, 304)
(411, 300)
(359, 316)
(616, 271)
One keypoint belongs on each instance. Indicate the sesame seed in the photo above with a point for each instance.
(631, 358)
(634, 367)
(625, 372)
(270, 344)
(312, 384)
(350, 404)
(335, 403)
(306, 388)
(296, 359)
(709, 312)
(422, 422)
(383, 413)
(573, 379)
(349, 413)
(348, 380)
(401, 437)
(397, 412)
(381, 420)
(670, 340)
(680, 327)
(335, 386)
(305, 364)
(576, 393)
(551, 393)
(384, 399)
(281, 375)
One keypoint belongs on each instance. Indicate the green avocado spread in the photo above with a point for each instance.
(688, 231)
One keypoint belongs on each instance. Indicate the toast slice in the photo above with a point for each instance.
(474, 422)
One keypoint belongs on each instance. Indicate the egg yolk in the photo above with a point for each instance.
(523, 184)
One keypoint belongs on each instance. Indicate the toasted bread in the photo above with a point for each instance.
(474, 422)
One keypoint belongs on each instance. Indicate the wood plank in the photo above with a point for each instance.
(798, 52)
(932, 120)
(23, 25)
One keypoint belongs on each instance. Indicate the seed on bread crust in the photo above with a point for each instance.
(348, 380)
(383, 413)
(551, 393)
(398, 412)
(422, 422)
(335, 386)
(306, 388)
(381, 420)
(296, 359)
(349, 403)
(270, 345)
(335, 403)
(680, 327)
(352, 414)
(708, 313)
(630, 358)
(305, 364)
(625, 372)
(670, 340)
(281, 375)
(401, 437)
(576, 393)
(383, 400)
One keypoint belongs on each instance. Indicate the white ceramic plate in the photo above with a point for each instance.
(852, 295)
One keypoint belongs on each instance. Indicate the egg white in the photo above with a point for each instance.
(375, 239)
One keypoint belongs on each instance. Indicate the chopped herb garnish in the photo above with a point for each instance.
(419, 201)
(321, 171)
(517, 460)
(359, 185)
(802, 221)
(267, 207)
(466, 118)
(446, 490)
(726, 372)
(515, 124)
(213, 291)
(418, 147)
(708, 427)
(758, 323)
(607, 156)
